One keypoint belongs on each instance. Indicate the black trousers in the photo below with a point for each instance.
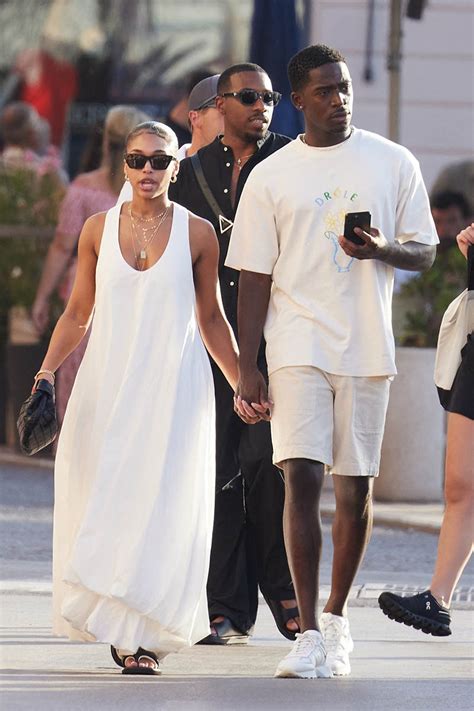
(248, 549)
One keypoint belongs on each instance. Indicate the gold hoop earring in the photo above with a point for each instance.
(173, 178)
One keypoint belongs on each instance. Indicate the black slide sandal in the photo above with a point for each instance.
(282, 615)
(225, 634)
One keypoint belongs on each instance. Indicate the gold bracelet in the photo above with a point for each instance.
(48, 372)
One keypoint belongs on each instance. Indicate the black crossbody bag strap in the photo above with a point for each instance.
(204, 185)
(470, 268)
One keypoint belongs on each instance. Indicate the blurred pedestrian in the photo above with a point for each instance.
(135, 465)
(422, 298)
(26, 142)
(458, 177)
(450, 212)
(205, 119)
(177, 116)
(88, 194)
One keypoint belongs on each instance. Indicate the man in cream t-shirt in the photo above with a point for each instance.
(325, 304)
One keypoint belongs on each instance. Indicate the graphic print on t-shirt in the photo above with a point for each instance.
(335, 205)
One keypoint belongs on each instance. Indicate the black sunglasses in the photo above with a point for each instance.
(137, 161)
(248, 97)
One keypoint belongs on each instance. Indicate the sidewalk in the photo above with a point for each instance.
(421, 517)
(393, 667)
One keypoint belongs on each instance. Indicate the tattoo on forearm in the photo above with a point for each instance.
(411, 256)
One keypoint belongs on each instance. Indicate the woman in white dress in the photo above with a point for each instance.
(135, 465)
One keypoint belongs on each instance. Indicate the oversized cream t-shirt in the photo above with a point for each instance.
(327, 309)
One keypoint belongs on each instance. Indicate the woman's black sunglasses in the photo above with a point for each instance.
(248, 97)
(138, 161)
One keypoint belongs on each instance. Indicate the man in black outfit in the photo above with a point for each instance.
(248, 548)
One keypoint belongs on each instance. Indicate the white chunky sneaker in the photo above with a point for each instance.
(307, 659)
(338, 641)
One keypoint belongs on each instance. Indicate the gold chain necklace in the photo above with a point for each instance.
(147, 224)
(140, 218)
(140, 247)
(242, 158)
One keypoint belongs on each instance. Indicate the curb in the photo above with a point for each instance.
(7, 456)
(392, 520)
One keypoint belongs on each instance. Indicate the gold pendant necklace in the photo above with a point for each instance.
(240, 160)
(147, 224)
(140, 246)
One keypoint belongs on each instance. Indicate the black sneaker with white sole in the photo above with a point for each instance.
(422, 611)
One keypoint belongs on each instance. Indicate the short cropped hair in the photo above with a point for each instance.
(224, 80)
(449, 198)
(310, 58)
(157, 129)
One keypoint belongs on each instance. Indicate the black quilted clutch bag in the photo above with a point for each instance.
(37, 425)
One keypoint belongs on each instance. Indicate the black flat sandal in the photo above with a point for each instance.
(224, 633)
(139, 655)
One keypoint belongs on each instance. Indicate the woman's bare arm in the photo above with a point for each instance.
(215, 329)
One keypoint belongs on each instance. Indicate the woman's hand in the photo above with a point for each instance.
(465, 238)
(43, 375)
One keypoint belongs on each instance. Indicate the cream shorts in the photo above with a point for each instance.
(335, 419)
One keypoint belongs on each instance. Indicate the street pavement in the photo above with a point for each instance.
(393, 666)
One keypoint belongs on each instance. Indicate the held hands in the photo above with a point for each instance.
(376, 245)
(251, 402)
(465, 238)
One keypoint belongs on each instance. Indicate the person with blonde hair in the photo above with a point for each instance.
(88, 194)
(135, 464)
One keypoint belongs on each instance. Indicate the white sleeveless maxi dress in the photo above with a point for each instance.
(135, 465)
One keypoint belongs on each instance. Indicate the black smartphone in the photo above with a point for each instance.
(356, 219)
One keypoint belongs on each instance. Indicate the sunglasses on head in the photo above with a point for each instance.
(137, 161)
(248, 97)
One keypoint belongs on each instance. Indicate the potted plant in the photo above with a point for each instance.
(428, 295)
(30, 195)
